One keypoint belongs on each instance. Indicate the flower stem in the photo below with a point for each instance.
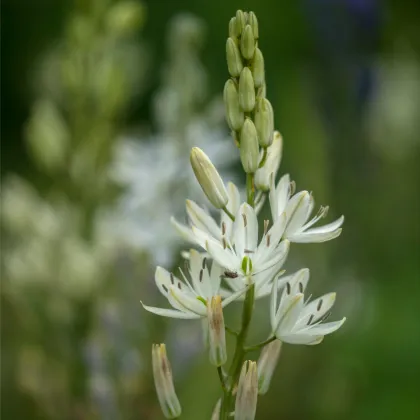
(260, 345)
(221, 377)
(250, 189)
(239, 355)
(226, 210)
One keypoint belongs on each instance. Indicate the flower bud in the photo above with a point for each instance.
(246, 90)
(252, 20)
(272, 163)
(247, 43)
(216, 410)
(247, 394)
(165, 390)
(233, 28)
(249, 150)
(233, 57)
(125, 17)
(208, 178)
(264, 122)
(266, 365)
(240, 21)
(234, 114)
(258, 68)
(217, 338)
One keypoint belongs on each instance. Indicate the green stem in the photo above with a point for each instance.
(239, 355)
(226, 210)
(231, 331)
(250, 189)
(259, 345)
(264, 158)
(221, 377)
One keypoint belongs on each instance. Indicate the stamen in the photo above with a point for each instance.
(310, 320)
(201, 275)
(164, 288)
(172, 278)
(292, 187)
(223, 228)
(248, 251)
(268, 240)
(179, 285)
(203, 265)
(266, 224)
(288, 288)
(300, 288)
(325, 317)
(245, 221)
(318, 308)
(224, 242)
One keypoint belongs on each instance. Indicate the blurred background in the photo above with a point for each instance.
(101, 102)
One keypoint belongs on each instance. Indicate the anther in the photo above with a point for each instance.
(164, 288)
(201, 275)
(310, 320)
(288, 288)
(326, 316)
(203, 265)
(292, 187)
(244, 217)
(223, 228)
(268, 239)
(224, 242)
(248, 251)
(172, 278)
(300, 288)
(319, 305)
(179, 285)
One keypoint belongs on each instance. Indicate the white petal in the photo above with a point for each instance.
(215, 278)
(163, 280)
(202, 220)
(282, 193)
(196, 263)
(310, 237)
(184, 231)
(189, 303)
(306, 339)
(327, 328)
(171, 313)
(225, 257)
(277, 258)
(201, 237)
(296, 211)
(273, 301)
(330, 227)
(245, 230)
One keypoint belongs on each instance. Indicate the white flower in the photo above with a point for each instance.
(202, 220)
(298, 209)
(189, 300)
(297, 322)
(246, 259)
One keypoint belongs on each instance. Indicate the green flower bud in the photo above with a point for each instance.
(246, 90)
(247, 42)
(240, 21)
(233, 57)
(264, 122)
(234, 114)
(208, 178)
(258, 68)
(252, 20)
(233, 28)
(249, 150)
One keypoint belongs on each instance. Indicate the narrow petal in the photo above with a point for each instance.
(164, 280)
(201, 219)
(245, 230)
(282, 193)
(273, 301)
(215, 278)
(310, 237)
(196, 262)
(316, 309)
(330, 227)
(305, 339)
(189, 303)
(225, 257)
(201, 237)
(184, 231)
(296, 211)
(171, 313)
(324, 329)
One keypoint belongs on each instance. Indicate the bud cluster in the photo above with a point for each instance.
(248, 112)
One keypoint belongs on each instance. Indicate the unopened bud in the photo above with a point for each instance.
(247, 42)
(216, 410)
(247, 394)
(240, 21)
(258, 68)
(246, 90)
(249, 150)
(264, 122)
(208, 178)
(233, 57)
(272, 163)
(217, 338)
(267, 364)
(165, 390)
(125, 17)
(253, 21)
(233, 28)
(234, 114)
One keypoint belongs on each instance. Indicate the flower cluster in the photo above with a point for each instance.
(233, 259)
